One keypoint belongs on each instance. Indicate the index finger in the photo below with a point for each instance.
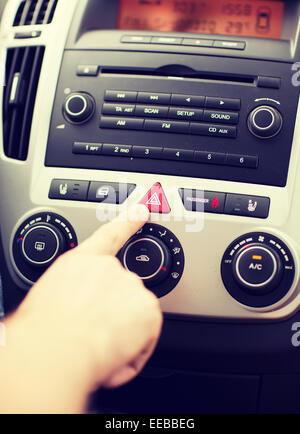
(112, 236)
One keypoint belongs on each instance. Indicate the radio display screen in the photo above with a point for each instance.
(257, 18)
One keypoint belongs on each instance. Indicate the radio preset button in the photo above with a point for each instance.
(120, 95)
(147, 152)
(223, 103)
(221, 117)
(152, 111)
(242, 161)
(154, 98)
(210, 157)
(121, 123)
(87, 148)
(188, 100)
(213, 130)
(177, 154)
(117, 150)
(166, 126)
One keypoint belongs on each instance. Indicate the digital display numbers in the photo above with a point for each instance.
(258, 18)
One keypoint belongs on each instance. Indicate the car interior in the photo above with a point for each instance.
(191, 108)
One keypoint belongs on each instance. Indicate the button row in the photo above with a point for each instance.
(173, 154)
(225, 203)
(172, 99)
(168, 126)
(193, 42)
(111, 192)
(193, 200)
(171, 112)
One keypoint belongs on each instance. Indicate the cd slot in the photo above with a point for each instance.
(182, 73)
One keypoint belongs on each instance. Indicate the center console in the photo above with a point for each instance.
(192, 111)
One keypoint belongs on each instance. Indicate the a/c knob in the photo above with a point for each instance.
(257, 268)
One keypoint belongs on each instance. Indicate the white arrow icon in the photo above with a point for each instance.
(222, 102)
(154, 200)
(188, 99)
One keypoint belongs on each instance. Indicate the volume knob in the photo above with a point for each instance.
(78, 107)
(265, 122)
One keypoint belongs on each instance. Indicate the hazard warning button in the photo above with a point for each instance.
(156, 200)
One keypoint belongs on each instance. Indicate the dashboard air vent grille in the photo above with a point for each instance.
(32, 12)
(23, 67)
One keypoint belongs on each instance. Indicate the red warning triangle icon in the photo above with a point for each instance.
(156, 200)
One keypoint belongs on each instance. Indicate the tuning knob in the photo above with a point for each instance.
(79, 107)
(265, 122)
(156, 256)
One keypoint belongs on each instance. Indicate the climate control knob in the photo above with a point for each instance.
(78, 107)
(265, 122)
(258, 269)
(149, 258)
(42, 244)
(38, 242)
(156, 256)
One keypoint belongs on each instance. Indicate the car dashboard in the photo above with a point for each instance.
(192, 110)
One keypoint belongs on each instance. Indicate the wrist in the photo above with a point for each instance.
(40, 372)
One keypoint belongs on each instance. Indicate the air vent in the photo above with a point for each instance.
(31, 12)
(23, 67)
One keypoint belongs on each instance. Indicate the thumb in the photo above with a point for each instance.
(112, 236)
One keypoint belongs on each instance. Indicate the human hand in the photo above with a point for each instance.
(88, 322)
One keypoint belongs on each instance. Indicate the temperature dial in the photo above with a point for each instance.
(156, 255)
(258, 269)
(38, 242)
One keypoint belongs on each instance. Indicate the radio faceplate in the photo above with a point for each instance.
(172, 112)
